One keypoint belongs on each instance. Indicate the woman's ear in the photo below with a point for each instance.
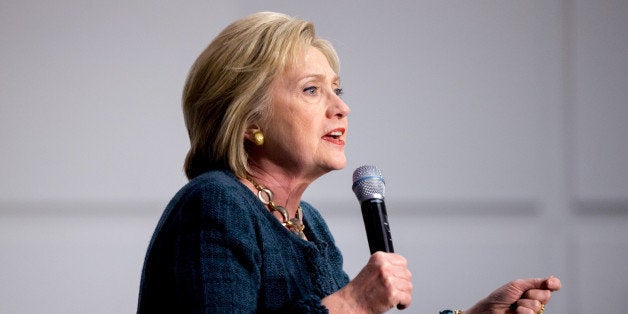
(254, 135)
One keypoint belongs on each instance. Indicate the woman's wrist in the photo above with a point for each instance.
(341, 302)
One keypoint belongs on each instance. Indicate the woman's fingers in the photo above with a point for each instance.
(533, 305)
(542, 296)
(552, 283)
(396, 276)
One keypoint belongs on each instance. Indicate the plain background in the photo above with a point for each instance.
(500, 127)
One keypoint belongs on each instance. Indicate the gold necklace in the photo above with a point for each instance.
(295, 225)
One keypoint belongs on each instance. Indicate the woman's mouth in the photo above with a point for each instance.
(335, 136)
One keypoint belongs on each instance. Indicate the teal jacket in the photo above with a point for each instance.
(218, 249)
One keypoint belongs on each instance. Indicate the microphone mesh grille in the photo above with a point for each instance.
(368, 183)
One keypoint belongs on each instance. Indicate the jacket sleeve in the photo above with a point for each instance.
(203, 257)
(227, 254)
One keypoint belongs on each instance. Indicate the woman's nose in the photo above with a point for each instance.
(338, 107)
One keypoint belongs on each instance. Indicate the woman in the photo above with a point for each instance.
(263, 110)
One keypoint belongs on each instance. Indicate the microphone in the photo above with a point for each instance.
(368, 186)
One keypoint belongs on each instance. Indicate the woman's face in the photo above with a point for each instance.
(307, 129)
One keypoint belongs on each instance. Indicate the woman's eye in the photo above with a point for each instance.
(338, 91)
(311, 90)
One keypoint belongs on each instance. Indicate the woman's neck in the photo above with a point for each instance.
(287, 189)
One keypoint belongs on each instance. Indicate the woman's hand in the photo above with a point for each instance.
(522, 296)
(381, 285)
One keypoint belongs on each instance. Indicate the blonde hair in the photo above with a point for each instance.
(227, 87)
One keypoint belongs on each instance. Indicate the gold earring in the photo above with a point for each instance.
(258, 138)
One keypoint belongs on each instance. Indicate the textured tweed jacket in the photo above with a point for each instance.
(217, 249)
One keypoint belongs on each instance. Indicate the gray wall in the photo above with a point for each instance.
(500, 127)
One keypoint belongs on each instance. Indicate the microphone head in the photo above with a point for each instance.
(368, 183)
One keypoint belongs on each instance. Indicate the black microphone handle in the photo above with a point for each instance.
(376, 224)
